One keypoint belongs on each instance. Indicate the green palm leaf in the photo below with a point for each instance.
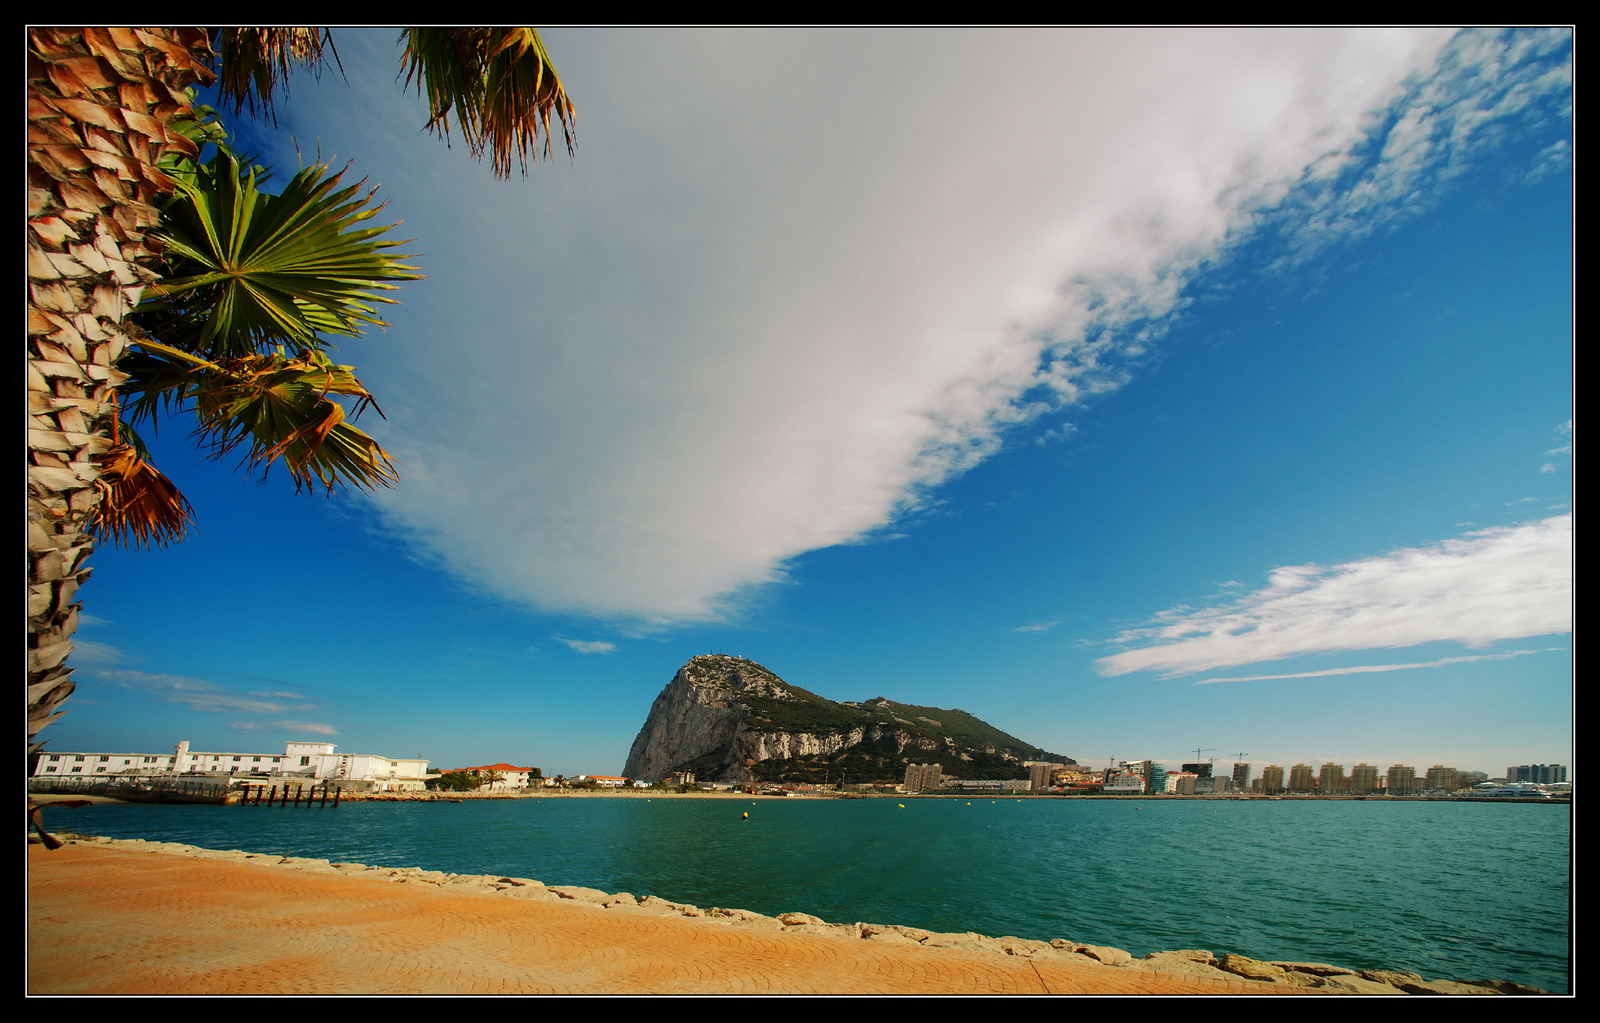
(277, 409)
(247, 269)
(498, 84)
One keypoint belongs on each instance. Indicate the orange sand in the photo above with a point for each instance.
(112, 921)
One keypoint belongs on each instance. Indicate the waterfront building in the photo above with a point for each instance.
(1538, 774)
(1440, 779)
(1330, 779)
(1199, 770)
(1363, 779)
(1272, 779)
(1039, 774)
(1401, 780)
(1181, 783)
(1153, 773)
(1300, 779)
(921, 777)
(305, 760)
(605, 781)
(1241, 776)
(1123, 781)
(505, 777)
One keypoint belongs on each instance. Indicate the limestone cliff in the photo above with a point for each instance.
(729, 719)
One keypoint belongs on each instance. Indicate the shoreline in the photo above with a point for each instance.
(219, 890)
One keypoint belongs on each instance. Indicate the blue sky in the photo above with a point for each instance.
(1135, 390)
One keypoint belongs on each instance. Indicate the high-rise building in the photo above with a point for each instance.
(1363, 779)
(1440, 779)
(1199, 770)
(1241, 776)
(1300, 779)
(1539, 774)
(1271, 779)
(923, 776)
(1154, 775)
(1039, 774)
(1330, 779)
(1401, 780)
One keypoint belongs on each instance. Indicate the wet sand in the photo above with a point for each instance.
(108, 920)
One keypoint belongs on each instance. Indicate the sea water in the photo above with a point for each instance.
(1463, 891)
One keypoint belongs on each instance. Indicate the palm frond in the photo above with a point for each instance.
(138, 505)
(248, 269)
(255, 62)
(499, 85)
(277, 409)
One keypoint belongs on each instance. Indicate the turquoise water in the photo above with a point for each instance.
(1463, 891)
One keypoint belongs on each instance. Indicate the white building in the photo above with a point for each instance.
(308, 760)
(510, 778)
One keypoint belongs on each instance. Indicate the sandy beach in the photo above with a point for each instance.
(107, 920)
(130, 917)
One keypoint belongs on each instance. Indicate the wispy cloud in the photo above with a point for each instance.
(714, 383)
(304, 727)
(198, 694)
(86, 653)
(1564, 431)
(1361, 669)
(1504, 583)
(588, 646)
(1036, 627)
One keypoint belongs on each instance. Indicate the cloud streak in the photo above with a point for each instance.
(198, 694)
(1504, 583)
(303, 727)
(713, 345)
(589, 646)
(1364, 668)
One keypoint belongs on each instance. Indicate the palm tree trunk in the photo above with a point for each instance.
(99, 104)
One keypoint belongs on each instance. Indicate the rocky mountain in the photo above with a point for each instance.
(730, 719)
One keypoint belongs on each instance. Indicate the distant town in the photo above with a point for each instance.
(372, 775)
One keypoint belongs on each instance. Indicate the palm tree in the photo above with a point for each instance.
(108, 151)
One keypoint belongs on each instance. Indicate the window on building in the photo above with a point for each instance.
(78, 768)
(49, 768)
(104, 759)
(78, 759)
(305, 761)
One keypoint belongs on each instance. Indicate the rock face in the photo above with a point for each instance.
(729, 719)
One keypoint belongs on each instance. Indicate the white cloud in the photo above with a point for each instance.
(796, 278)
(588, 646)
(312, 727)
(1037, 627)
(86, 653)
(198, 694)
(1503, 583)
(1365, 668)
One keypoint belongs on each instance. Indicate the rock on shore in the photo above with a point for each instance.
(1308, 977)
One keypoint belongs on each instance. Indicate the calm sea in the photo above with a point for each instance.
(1463, 891)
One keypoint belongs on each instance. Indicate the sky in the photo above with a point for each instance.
(1140, 391)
